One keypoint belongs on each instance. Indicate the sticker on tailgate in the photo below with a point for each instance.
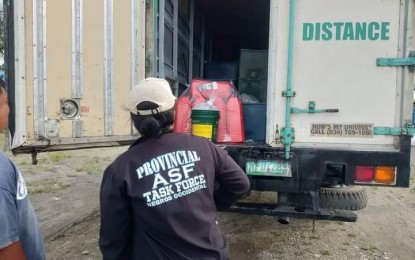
(341, 130)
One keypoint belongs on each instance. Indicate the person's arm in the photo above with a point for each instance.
(116, 218)
(231, 179)
(13, 251)
(10, 247)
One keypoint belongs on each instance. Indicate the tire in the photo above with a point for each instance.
(343, 198)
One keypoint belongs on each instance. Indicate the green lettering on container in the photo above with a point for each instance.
(373, 33)
(327, 34)
(317, 31)
(338, 30)
(360, 31)
(308, 31)
(348, 32)
(385, 31)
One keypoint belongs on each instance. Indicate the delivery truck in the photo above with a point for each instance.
(330, 86)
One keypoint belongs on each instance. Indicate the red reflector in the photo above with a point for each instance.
(364, 173)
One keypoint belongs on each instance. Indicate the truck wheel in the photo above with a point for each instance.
(344, 198)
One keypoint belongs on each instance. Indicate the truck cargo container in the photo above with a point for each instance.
(339, 84)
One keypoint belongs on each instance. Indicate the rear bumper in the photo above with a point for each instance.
(311, 167)
(271, 209)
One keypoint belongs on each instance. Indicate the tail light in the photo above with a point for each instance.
(375, 174)
(364, 174)
(385, 174)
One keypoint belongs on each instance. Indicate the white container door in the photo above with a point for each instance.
(336, 45)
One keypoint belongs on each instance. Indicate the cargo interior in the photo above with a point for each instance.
(236, 38)
(234, 25)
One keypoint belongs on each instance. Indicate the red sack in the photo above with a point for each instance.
(182, 122)
(235, 119)
(222, 95)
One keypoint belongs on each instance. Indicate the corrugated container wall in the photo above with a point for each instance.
(73, 73)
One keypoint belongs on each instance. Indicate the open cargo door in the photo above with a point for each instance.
(329, 82)
(70, 66)
(178, 47)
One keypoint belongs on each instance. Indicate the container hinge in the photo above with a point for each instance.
(287, 135)
(288, 93)
(312, 109)
(408, 130)
(386, 62)
(287, 138)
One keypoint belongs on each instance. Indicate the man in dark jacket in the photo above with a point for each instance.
(159, 199)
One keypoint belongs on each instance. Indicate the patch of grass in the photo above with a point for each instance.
(48, 168)
(94, 166)
(351, 235)
(23, 163)
(42, 160)
(412, 190)
(314, 237)
(45, 186)
(59, 156)
(368, 248)
(324, 252)
(276, 233)
(22, 160)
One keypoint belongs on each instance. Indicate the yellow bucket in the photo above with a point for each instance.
(205, 123)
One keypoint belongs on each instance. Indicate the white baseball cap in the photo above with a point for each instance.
(151, 96)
